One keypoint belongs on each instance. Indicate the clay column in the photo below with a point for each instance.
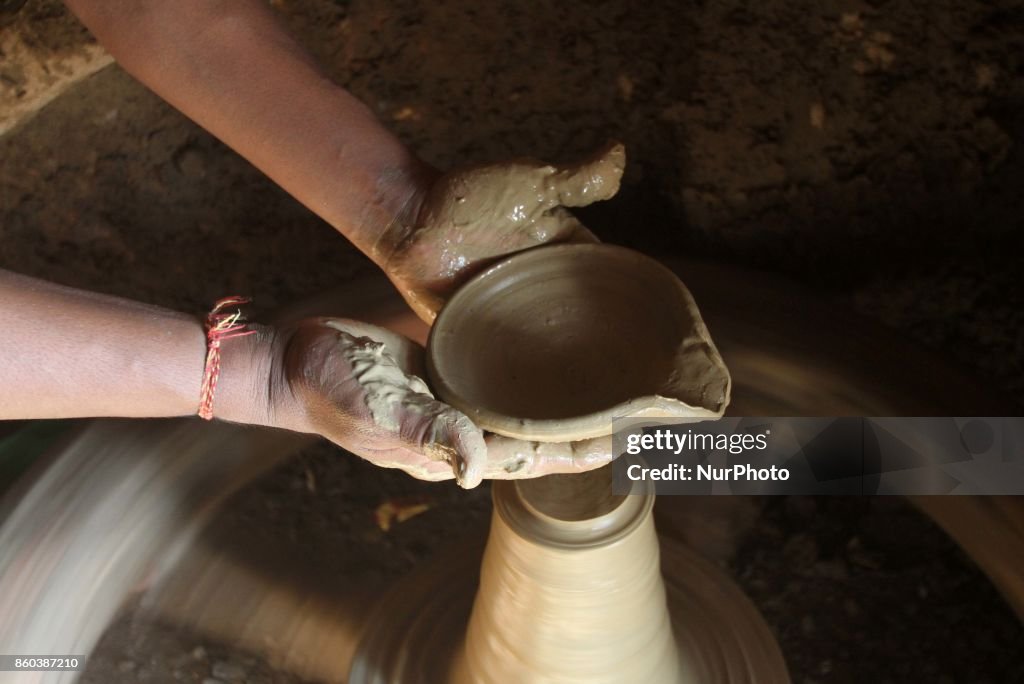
(571, 588)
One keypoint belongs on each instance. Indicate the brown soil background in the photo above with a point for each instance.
(869, 149)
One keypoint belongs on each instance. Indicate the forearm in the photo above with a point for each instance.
(232, 68)
(65, 353)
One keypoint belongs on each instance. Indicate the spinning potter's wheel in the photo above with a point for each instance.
(122, 501)
(574, 586)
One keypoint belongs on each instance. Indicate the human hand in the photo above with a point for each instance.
(359, 386)
(471, 217)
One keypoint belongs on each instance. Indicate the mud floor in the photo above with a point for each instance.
(869, 149)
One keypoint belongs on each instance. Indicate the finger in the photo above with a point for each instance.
(433, 471)
(559, 225)
(452, 437)
(595, 179)
(513, 459)
(410, 461)
(406, 456)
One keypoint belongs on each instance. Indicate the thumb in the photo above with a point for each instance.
(451, 436)
(592, 180)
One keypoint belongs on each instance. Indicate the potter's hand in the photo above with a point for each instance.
(359, 386)
(471, 217)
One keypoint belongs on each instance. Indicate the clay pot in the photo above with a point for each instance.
(570, 589)
(553, 343)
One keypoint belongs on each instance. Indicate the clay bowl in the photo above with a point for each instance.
(553, 343)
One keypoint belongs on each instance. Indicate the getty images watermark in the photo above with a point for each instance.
(679, 440)
(822, 456)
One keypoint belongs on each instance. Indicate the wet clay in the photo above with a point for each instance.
(473, 216)
(571, 497)
(569, 595)
(393, 396)
(388, 390)
(551, 344)
(121, 476)
(418, 634)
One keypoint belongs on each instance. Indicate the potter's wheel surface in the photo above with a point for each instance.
(414, 635)
(121, 501)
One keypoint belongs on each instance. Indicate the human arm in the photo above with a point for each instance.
(66, 353)
(232, 68)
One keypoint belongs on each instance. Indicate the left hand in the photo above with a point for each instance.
(359, 386)
(471, 217)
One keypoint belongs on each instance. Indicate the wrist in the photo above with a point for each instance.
(404, 191)
(247, 368)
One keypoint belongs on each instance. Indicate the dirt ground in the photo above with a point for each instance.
(869, 149)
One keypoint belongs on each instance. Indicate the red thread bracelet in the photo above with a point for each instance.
(219, 327)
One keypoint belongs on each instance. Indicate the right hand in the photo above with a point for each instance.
(471, 217)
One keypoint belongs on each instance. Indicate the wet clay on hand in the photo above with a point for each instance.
(360, 387)
(471, 217)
